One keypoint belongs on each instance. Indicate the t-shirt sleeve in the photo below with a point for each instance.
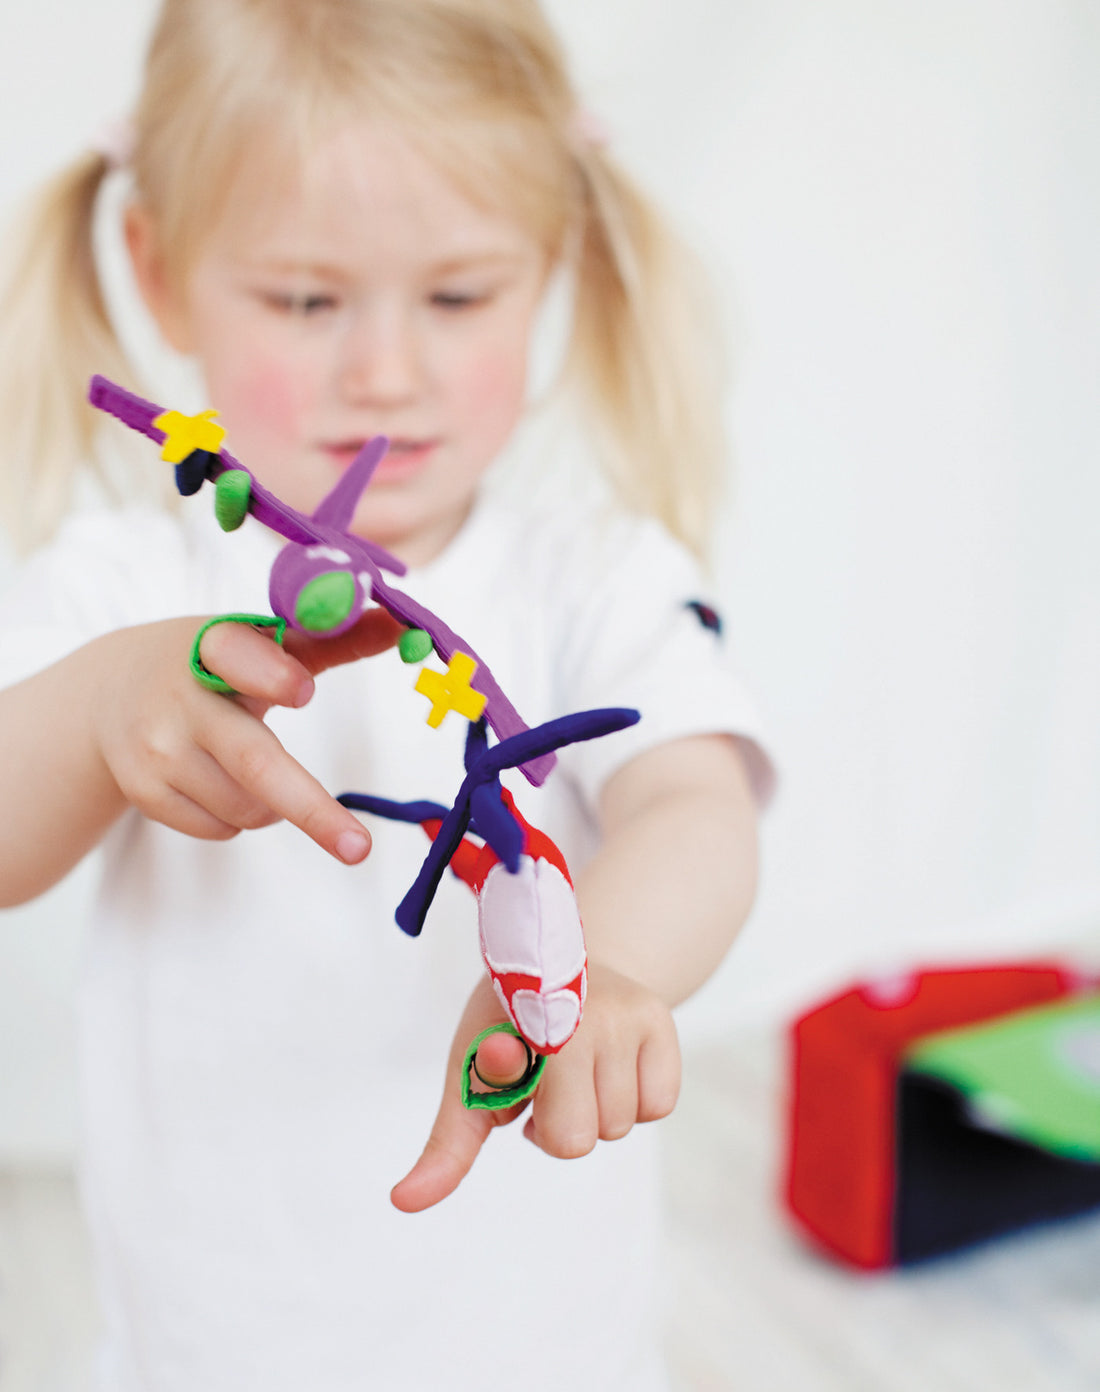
(104, 570)
(641, 632)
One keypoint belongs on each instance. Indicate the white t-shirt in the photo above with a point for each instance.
(262, 1050)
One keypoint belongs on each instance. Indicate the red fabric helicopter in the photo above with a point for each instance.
(529, 927)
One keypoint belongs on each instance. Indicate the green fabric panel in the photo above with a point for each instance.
(325, 601)
(501, 1097)
(1033, 1074)
(210, 680)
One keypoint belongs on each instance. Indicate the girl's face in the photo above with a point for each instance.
(374, 299)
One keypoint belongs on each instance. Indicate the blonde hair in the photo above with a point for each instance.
(482, 84)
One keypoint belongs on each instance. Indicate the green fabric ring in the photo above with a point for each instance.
(500, 1098)
(211, 680)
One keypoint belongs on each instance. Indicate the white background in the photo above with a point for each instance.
(900, 201)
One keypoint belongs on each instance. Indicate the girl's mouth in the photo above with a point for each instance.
(404, 456)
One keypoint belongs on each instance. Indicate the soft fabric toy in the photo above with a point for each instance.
(529, 927)
(325, 576)
(939, 1109)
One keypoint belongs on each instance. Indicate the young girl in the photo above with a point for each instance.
(347, 212)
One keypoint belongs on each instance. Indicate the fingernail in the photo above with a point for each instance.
(304, 693)
(352, 846)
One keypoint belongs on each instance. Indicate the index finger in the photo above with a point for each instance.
(253, 756)
(446, 1160)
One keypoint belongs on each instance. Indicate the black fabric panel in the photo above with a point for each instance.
(958, 1184)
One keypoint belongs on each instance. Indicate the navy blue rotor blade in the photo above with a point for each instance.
(554, 734)
(413, 909)
(492, 821)
(477, 742)
(395, 811)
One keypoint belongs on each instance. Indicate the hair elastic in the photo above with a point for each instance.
(115, 141)
(589, 129)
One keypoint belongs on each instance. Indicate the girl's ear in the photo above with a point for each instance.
(163, 300)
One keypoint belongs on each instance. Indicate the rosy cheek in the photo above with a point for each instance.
(269, 394)
(261, 401)
(491, 388)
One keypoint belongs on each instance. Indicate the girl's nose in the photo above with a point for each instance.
(380, 360)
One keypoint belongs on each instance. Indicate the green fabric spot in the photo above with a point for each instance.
(209, 679)
(414, 645)
(325, 601)
(1033, 1073)
(232, 494)
(501, 1097)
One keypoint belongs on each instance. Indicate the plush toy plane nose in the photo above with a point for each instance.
(533, 945)
(546, 1021)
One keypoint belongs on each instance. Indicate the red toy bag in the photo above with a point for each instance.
(851, 1165)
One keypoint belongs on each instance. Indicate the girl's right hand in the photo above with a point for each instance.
(204, 763)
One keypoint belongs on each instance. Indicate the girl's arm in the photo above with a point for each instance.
(58, 795)
(676, 875)
(661, 903)
(121, 722)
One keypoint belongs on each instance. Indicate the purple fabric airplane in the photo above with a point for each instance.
(324, 577)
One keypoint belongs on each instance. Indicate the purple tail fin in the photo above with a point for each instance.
(337, 508)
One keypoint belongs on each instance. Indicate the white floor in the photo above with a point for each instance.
(750, 1310)
(48, 1315)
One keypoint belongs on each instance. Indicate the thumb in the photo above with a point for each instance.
(262, 674)
(501, 1061)
(459, 1133)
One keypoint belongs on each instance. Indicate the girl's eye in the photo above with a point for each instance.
(456, 299)
(300, 304)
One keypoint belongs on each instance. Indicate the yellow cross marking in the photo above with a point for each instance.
(451, 690)
(186, 433)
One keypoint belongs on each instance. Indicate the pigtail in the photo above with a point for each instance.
(54, 334)
(646, 355)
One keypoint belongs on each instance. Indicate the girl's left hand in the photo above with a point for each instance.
(622, 1066)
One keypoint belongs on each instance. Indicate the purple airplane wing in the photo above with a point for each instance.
(140, 414)
(271, 511)
(131, 410)
(499, 711)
